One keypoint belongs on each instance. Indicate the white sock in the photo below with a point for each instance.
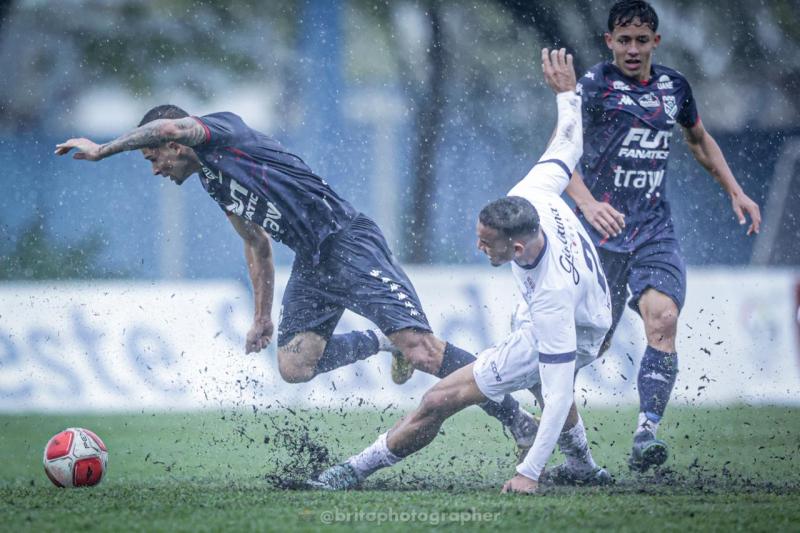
(645, 424)
(384, 342)
(373, 458)
(575, 447)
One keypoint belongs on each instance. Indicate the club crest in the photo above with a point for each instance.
(670, 106)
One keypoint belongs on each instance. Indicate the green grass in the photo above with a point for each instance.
(731, 469)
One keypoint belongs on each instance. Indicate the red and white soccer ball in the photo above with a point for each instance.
(76, 457)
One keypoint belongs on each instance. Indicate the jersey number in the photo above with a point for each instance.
(592, 263)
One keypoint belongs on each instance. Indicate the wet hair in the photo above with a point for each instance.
(623, 12)
(513, 216)
(163, 111)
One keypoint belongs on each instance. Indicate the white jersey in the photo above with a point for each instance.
(565, 287)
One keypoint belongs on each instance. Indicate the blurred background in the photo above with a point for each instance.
(417, 112)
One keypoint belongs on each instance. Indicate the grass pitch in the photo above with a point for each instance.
(735, 468)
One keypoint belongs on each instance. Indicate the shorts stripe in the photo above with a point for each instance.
(552, 358)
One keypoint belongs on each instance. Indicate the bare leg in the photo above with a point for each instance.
(660, 316)
(417, 429)
(410, 434)
(659, 366)
(297, 359)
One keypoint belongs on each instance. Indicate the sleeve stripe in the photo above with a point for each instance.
(560, 163)
(554, 358)
(208, 131)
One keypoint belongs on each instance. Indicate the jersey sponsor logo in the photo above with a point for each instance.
(626, 100)
(649, 100)
(271, 219)
(243, 201)
(639, 179)
(567, 258)
(210, 176)
(621, 86)
(642, 136)
(670, 107)
(589, 75)
(638, 153)
(644, 143)
(664, 82)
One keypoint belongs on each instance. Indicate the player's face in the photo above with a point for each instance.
(497, 247)
(168, 160)
(632, 47)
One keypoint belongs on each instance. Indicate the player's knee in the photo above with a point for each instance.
(298, 358)
(294, 369)
(662, 320)
(293, 373)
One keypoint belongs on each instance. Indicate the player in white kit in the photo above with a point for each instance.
(568, 315)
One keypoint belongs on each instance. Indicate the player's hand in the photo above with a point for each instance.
(742, 204)
(259, 336)
(520, 484)
(86, 149)
(558, 70)
(605, 219)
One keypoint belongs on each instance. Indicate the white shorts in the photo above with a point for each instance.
(513, 364)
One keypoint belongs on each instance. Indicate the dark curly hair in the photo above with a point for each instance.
(163, 111)
(623, 12)
(513, 216)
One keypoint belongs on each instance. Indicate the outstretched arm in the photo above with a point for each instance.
(566, 142)
(258, 253)
(707, 152)
(557, 383)
(187, 131)
(551, 173)
(554, 329)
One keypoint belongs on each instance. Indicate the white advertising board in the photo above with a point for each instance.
(120, 346)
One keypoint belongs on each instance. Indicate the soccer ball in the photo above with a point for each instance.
(76, 457)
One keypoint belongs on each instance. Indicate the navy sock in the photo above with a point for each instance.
(505, 411)
(347, 348)
(657, 374)
(455, 358)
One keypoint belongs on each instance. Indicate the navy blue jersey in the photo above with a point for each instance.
(627, 128)
(253, 176)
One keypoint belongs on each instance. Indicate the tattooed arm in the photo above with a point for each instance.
(186, 131)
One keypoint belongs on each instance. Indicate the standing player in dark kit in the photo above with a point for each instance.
(629, 109)
(341, 258)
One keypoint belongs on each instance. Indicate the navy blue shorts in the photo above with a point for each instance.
(657, 264)
(357, 271)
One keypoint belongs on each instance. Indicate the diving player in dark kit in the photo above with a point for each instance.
(630, 107)
(342, 260)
